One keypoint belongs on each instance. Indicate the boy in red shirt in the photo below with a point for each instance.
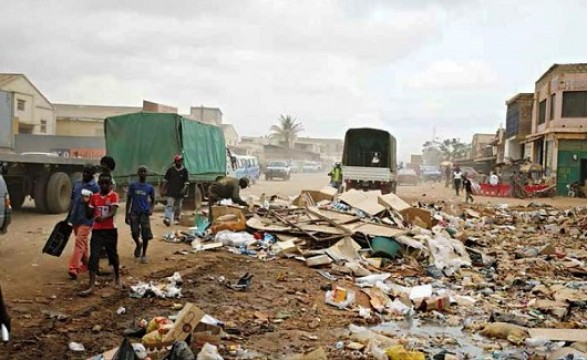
(104, 232)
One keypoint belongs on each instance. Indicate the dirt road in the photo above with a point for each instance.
(33, 282)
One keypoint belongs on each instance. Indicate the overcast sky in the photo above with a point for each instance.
(407, 66)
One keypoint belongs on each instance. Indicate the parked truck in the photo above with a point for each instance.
(152, 139)
(369, 160)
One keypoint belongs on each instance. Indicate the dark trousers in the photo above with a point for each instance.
(469, 196)
(458, 183)
(140, 226)
(103, 239)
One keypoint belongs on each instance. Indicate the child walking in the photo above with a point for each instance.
(468, 189)
(104, 232)
(139, 206)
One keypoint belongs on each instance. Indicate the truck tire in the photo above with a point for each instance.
(17, 195)
(58, 193)
(40, 194)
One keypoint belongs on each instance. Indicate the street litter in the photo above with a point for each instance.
(340, 297)
(242, 284)
(74, 346)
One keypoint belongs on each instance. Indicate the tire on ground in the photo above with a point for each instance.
(40, 194)
(58, 193)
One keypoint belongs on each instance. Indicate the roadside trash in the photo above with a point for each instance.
(242, 284)
(371, 280)
(340, 297)
(234, 239)
(5, 333)
(513, 333)
(181, 351)
(74, 346)
(385, 247)
(121, 310)
(209, 352)
(398, 352)
(318, 261)
(125, 351)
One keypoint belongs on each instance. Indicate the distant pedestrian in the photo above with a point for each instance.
(139, 208)
(468, 186)
(336, 176)
(493, 179)
(447, 176)
(82, 224)
(107, 164)
(226, 187)
(104, 233)
(175, 187)
(457, 178)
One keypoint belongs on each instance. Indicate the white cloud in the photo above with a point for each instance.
(452, 74)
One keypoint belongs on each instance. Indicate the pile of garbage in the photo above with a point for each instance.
(515, 276)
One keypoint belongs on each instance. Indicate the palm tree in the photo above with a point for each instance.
(287, 130)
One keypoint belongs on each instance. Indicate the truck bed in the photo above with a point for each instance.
(42, 159)
(360, 173)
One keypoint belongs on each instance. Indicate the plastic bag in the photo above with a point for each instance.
(398, 352)
(371, 280)
(157, 322)
(330, 300)
(181, 351)
(209, 352)
(125, 351)
(234, 239)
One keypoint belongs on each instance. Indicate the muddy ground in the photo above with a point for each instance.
(34, 283)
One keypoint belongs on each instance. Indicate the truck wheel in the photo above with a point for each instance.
(40, 194)
(58, 193)
(17, 195)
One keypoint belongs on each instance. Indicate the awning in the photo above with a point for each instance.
(532, 138)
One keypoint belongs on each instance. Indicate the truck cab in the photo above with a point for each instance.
(369, 160)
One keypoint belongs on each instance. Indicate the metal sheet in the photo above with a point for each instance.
(6, 111)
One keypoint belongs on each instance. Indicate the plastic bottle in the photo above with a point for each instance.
(5, 333)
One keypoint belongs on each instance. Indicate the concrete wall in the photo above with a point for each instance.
(69, 127)
(557, 83)
(206, 115)
(86, 120)
(66, 146)
(36, 107)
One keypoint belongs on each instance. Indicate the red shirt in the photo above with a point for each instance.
(103, 205)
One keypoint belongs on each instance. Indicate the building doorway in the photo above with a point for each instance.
(583, 174)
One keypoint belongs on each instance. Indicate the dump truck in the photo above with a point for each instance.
(369, 160)
(152, 139)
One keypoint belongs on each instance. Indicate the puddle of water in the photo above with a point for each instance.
(466, 342)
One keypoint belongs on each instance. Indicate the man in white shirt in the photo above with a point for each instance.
(457, 177)
(493, 179)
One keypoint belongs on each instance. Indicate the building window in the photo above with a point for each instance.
(574, 104)
(542, 112)
(20, 105)
(43, 126)
(552, 105)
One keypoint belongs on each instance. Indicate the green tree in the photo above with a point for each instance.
(451, 149)
(287, 129)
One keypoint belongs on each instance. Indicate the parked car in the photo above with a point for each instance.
(311, 166)
(431, 173)
(407, 177)
(247, 166)
(5, 208)
(277, 169)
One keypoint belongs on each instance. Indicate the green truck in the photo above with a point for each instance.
(152, 139)
(369, 160)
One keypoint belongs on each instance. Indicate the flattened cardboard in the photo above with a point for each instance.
(315, 197)
(366, 201)
(392, 201)
(187, 320)
(559, 334)
(410, 215)
(346, 249)
(375, 230)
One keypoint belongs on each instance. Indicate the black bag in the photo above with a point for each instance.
(180, 351)
(125, 351)
(58, 239)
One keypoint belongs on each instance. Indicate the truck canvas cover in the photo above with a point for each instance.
(152, 139)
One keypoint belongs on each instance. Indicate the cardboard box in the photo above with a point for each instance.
(318, 260)
(312, 197)
(392, 201)
(411, 215)
(205, 333)
(186, 322)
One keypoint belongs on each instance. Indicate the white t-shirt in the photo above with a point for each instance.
(493, 179)
(457, 175)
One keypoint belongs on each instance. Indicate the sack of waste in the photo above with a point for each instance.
(398, 352)
(513, 333)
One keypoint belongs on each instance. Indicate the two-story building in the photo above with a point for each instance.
(558, 139)
(28, 110)
(518, 124)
